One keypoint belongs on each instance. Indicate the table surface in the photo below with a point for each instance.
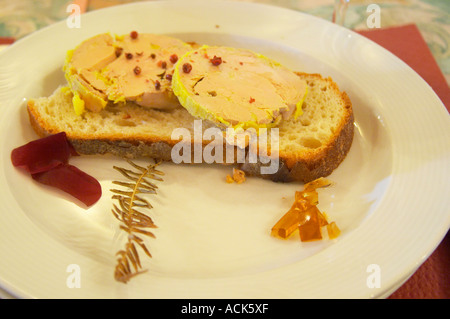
(432, 17)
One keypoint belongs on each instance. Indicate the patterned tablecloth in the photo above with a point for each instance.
(431, 17)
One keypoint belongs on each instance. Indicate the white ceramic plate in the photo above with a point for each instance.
(390, 197)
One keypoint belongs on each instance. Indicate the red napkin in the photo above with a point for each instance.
(432, 279)
(407, 43)
(6, 40)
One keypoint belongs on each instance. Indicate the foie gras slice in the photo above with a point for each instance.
(143, 71)
(134, 67)
(237, 88)
(82, 66)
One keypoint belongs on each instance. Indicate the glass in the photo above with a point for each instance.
(340, 9)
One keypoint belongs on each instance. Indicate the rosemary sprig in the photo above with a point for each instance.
(129, 211)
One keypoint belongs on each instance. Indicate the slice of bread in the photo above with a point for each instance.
(311, 146)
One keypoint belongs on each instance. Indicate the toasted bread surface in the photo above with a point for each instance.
(311, 146)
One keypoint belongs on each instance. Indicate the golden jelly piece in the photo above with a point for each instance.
(333, 230)
(238, 176)
(317, 183)
(303, 204)
(287, 224)
(322, 220)
(305, 216)
(313, 215)
(310, 232)
(310, 228)
(312, 197)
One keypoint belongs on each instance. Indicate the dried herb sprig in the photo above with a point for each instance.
(129, 211)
